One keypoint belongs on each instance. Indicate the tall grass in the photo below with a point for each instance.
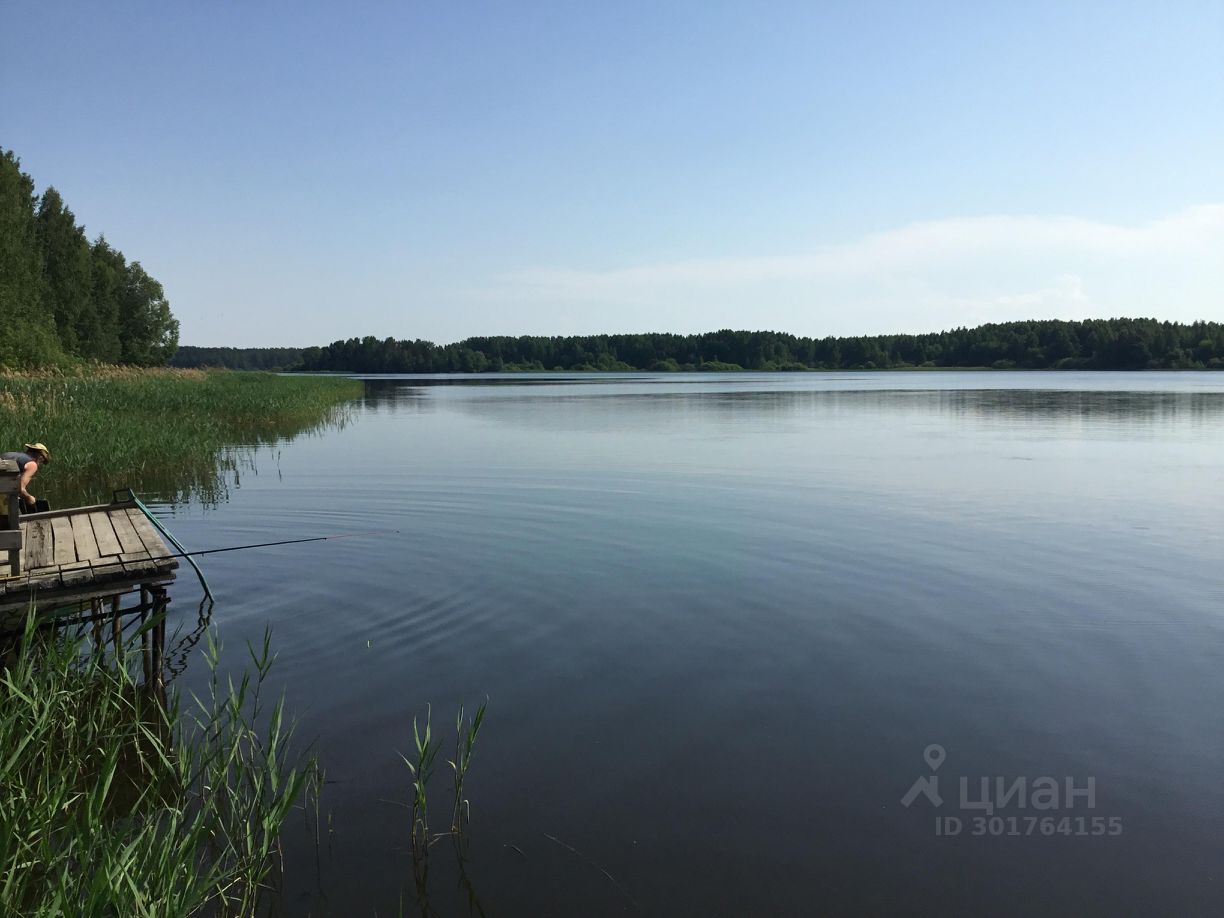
(171, 433)
(422, 768)
(426, 749)
(117, 801)
(465, 745)
(421, 765)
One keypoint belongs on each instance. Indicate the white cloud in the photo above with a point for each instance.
(1068, 289)
(922, 276)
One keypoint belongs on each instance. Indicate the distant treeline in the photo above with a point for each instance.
(1104, 344)
(237, 358)
(64, 297)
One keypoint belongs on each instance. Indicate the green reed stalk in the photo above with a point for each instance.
(422, 770)
(118, 800)
(465, 742)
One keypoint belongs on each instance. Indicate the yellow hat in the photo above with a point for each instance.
(42, 448)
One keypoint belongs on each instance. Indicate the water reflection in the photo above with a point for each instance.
(424, 891)
(207, 476)
(131, 625)
(186, 638)
(1139, 413)
(822, 574)
(630, 403)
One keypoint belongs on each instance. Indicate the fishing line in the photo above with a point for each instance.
(326, 538)
(217, 551)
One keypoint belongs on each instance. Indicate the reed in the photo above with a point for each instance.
(116, 800)
(421, 765)
(422, 768)
(465, 743)
(172, 434)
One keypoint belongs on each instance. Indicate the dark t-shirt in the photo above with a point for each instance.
(20, 458)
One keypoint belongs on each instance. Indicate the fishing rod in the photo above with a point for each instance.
(217, 551)
(169, 536)
(326, 538)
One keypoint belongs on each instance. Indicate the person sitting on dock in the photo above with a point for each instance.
(35, 455)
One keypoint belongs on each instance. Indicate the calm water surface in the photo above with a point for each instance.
(720, 618)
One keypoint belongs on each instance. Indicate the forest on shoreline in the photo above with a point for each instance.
(65, 299)
(1094, 344)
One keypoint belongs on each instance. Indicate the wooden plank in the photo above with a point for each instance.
(38, 545)
(125, 532)
(47, 581)
(11, 517)
(148, 535)
(18, 602)
(137, 562)
(44, 579)
(10, 483)
(84, 553)
(24, 586)
(145, 565)
(76, 574)
(9, 520)
(83, 536)
(65, 546)
(107, 575)
(111, 563)
(104, 534)
(12, 555)
(149, 538)
(69, 511)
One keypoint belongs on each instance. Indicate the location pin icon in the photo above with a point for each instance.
(934, 755)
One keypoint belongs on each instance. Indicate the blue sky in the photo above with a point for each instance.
(299, 172)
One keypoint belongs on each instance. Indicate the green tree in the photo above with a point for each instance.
(67, 269)
(1101, 344)
(28, 334)
(148, 331)
(109, 268)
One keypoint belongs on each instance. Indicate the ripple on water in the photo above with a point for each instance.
(711, 626)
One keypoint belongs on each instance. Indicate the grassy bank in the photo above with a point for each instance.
(116, 798)
(169, 433)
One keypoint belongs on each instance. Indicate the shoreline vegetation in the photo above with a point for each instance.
(117, 799)
(1095, 344)
(121, 797)
(174, 434)
(65, 299)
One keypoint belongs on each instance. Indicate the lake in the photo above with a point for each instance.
(751, 643)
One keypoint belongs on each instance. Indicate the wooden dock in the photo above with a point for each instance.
(81, 554)
(76, 566)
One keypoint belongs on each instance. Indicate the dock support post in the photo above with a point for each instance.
(146, 639)
(116, 628)
(95, 612)
(158, 643)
